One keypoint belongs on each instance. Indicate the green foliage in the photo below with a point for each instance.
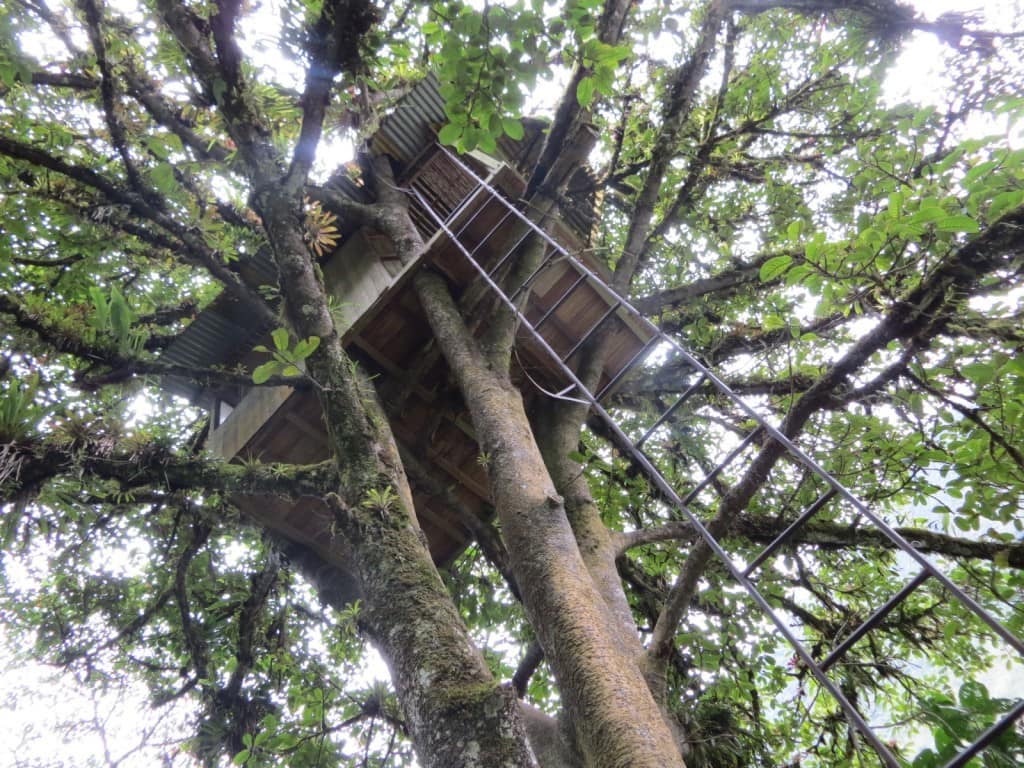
(487, 60)
(380, 500)
(19, 411)
(114, 317)
(957, 722)
(798, 186)
(484, 60)
(286, 360)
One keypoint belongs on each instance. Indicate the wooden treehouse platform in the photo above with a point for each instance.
(388, 335)
(386, 332)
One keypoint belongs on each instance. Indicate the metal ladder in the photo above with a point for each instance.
(703, 377)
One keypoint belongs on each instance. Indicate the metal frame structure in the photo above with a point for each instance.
(619, 306)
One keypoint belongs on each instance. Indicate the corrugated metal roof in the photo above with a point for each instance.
(217, 336)
(220, 334)
(223, 332)
(405, 132)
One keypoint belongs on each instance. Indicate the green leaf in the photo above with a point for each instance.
(280, 337)
(100, 307)
(980, 373)
(265, 371)
(974, 696)
(513, 128)
(241, 758)
(957, 223)
(775, 266)
(120, 316)
(162, 176)
(487, 143)
(450, 134)
(798, 273)
(285, 742)
(585, 92)
(1003, 202)
(305, 348)
(927, 214)
(926, 759)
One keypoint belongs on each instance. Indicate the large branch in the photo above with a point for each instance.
(108, 93)
(682, 94)
(194, 244)
(26, 465)
(831, 535)
(335, 47)
(570, 128)
(164, 113)
(122, 367)
(721, 285)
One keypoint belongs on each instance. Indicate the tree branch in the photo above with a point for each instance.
(195, 245)
(27, 464)
(916, 315)
(830, 535)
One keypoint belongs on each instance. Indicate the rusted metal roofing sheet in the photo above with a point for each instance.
(412, 125)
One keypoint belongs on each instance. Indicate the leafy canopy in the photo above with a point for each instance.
(797, 206)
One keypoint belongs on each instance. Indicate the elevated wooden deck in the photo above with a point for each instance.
(387, 333)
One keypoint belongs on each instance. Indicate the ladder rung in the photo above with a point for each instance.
(486, 237)
(561, 300)
(585, 337)
(628, 366)
(721, 465)
(508, 253)
(544, 263)
(687, 393)
(989, 735)
(792, 528)
(874, 619)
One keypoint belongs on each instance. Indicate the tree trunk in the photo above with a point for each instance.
(598, 681)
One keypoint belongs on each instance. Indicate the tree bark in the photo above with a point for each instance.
(597, 680)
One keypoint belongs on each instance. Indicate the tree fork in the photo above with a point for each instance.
(597, 680)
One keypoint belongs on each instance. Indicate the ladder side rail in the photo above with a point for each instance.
(512, 248)
(987, 736)
(593, 329)
(794, 450)
(667, 414)
(720, 467)
(851, 712)
(791, 529)
(874, 619)
(625, 369)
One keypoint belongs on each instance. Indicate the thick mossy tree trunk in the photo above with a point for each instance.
(456, 712)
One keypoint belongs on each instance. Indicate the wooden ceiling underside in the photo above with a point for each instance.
(393, 343)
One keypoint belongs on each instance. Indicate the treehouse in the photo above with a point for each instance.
(457, 205)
